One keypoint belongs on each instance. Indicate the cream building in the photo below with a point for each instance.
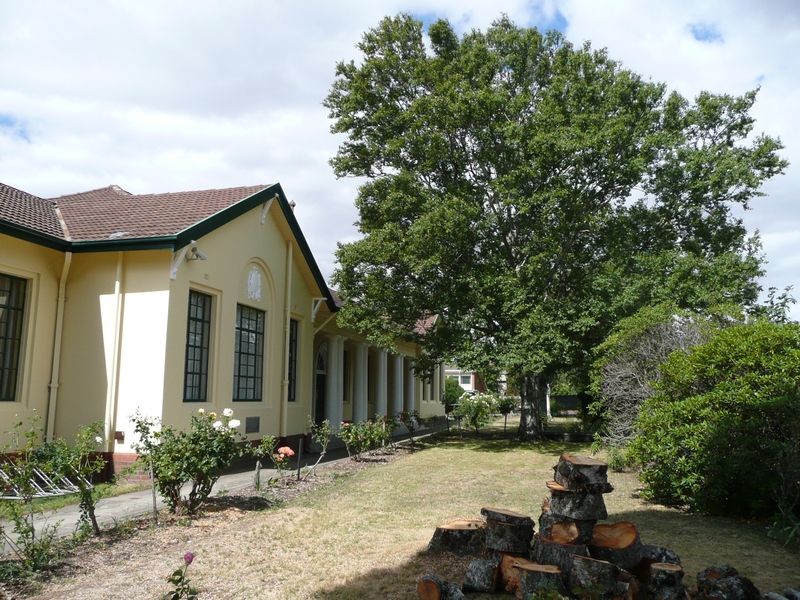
(112, 303)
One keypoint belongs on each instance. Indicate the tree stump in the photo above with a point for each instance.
(579, 506)
(563, 529)
(506, 516)
(618, 543)
(581, 473)
(666, 582)
(594, 578)
(725, 582)
(548, 552)
(460, 537)
(509, 575)
(482, 575)
(508, 537)
(653, 554)
(533, 577)
(431, 587)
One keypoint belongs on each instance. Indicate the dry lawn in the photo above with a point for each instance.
(364, 535)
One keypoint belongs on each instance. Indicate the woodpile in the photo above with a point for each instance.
(572, 553)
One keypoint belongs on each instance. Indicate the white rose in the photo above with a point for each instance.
(234, 423)
(98, 439)
(217, 424)
(201, 411)
(228, 412)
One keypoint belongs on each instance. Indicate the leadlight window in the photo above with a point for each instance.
(198, 335)
(248, 361)
(12, 307)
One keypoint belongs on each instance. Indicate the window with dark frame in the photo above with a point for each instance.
(248, 360)
(293, 329)
(12, 309)
(198, 335)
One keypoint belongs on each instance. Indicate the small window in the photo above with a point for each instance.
(198, 334)
(293, 327)
(12, 307)
(466, 379)
(248, 360)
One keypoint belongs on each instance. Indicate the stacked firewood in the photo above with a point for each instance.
(572, 553)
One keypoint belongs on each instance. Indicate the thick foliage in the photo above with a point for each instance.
(500, 173)
(476, 408)
(722, 434)
(198, 455)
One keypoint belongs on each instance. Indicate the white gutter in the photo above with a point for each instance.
(54, 372)
(111, 395)
(286, 337)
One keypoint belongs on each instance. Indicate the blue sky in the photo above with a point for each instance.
(159, 97)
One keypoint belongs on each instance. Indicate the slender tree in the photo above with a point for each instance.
(530, 194)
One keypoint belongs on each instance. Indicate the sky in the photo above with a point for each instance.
(171, 96)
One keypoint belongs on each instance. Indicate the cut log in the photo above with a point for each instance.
(506, 516)
(579, 506)
(533, 577)
(459, 537)
(451, 591)
(509, 576)
(791, 594)
(653, 554)
(725, 582)
(429, 588)
(581, 473)
(564, 529)
(482, 575)
(592, 578)
(508, 537)
(627, 586)
(665, 582)
(618, 543)
(548, 552)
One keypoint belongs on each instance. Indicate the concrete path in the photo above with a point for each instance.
(126, 506)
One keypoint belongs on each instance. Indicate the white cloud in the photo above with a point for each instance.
(159, 97)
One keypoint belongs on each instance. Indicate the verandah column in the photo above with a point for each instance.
(360, 390)
(381, 379)
(397, 384)
(333, 381)
(411, 387)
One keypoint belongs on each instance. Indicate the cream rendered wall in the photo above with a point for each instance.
(90, 332)
(143, 340)
(232, 251)
(42, 268)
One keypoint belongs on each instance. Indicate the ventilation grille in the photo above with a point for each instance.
(252, 424)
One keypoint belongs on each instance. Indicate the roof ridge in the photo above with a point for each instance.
(113, 187)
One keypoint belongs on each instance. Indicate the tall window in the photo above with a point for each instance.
(248, 358)
(293, 327)
(12, 305)
(198, 334)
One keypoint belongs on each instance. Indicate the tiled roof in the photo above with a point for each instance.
(29, 211)
(111, 213)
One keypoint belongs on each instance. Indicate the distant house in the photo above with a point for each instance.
(470, 381)
(166, 303)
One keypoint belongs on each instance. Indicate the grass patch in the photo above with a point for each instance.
(364, 536)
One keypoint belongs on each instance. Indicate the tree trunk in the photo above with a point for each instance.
(509, 537)
(482, 575)
(533, 392)
(618, 543)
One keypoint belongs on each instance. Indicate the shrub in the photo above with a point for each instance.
(476, 408)
(722, 435)
(452, 393)
(198, 455)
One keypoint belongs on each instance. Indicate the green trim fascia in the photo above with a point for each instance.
(34, 237)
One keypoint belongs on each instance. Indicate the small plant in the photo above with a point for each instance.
(321, 434)
(505, 406)
(182, 588)
(198, 455)
(476, 408)
(354, 436)
(281, 459)
(266, 448)
(409, 418)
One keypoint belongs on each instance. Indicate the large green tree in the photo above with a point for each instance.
(530, 194)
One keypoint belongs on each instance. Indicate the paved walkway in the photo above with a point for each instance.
(126, 506)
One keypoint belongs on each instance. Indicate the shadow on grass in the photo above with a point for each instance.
(492, 442)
